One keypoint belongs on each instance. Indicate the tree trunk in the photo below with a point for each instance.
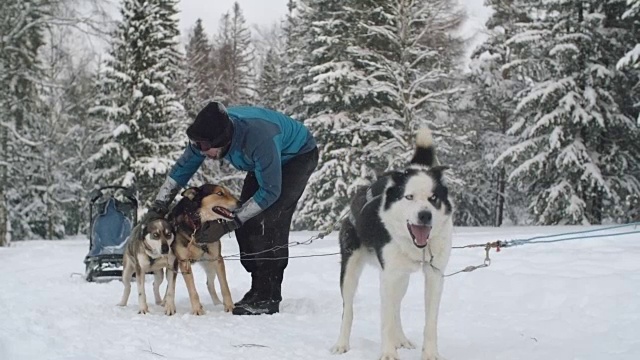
(5, 237)
(4, 225)
(502, 184)
(596, 206)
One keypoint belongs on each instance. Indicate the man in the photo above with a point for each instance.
(279, 155)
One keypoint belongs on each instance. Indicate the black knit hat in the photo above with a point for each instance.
(212, 125)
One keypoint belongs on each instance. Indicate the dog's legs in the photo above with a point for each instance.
(170, 294)
(433, 293)
(210, 269)
(216, 267)
(350, 274)
(392, 287)
(222, 279)
(187, 275)
(158, 277)
(401, 340)
(142, 296)
(126, 280)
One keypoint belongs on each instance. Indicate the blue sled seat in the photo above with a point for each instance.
(110, 231)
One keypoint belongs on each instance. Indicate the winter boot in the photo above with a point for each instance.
(252, 293)
(266, 299)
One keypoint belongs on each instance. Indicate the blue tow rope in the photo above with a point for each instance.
(536, 239)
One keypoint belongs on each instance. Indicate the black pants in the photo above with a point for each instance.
(270, 228)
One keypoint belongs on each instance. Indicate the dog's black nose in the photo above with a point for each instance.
(424, 217)
(165, 249)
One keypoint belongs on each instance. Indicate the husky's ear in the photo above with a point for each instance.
(190, 193)
(438, 170)
(397, 177)
(425, 149)
(138, 231)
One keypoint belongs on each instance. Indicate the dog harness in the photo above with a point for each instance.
(369, 197)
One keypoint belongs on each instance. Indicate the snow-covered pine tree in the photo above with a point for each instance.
(233, 57)
(270, 83)
(56, 185)
(199, 76)
(629, 64)
(21, 28)
(296, 60)
(320, 94)
(270, 50)
(488, 110)
(138, 108)
(571, 155)
(407, 53)
(79, 97)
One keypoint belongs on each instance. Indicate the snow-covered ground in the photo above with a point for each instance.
(570, 300)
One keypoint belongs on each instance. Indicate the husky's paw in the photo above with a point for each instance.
(404, 343)
(160, 302)
(390, 356)
(144, 310)
(198, 311)
(169, 308)
(431, 356)
(228, 307)
(121, 304)
(340, 348)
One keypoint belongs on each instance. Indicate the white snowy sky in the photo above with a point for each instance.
(257, 12)
(262, 14)
(265, 12)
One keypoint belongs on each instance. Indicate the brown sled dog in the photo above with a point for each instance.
(199, 204)
(147, 250)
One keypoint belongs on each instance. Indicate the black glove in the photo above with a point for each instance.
(157, 210)
(212, 231)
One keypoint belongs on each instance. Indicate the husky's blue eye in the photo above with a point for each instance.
(433, 198)
(409, 197)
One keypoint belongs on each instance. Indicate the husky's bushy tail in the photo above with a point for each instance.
(425, 153)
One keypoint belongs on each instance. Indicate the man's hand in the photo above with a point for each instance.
(212, 231)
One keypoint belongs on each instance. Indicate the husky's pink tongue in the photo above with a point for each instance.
(420, 234)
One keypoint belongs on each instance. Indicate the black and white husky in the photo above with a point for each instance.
(402, 223)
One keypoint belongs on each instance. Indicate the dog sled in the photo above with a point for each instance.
(113, 214)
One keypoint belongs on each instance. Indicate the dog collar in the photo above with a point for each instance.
(191, 225)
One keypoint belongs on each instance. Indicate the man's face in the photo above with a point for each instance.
(213, 153)
(209, 151)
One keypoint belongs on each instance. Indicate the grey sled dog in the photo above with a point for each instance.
(402, 223)
(147, 249)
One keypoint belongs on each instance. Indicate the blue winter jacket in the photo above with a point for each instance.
(263, 141)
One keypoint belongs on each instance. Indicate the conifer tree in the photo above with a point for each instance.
(21, 25)
(200, 75)
(233, 57)
(488, 108)
(571, 156)
(408, 52)
(138, 110)
(270, 81)
(320, 95)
